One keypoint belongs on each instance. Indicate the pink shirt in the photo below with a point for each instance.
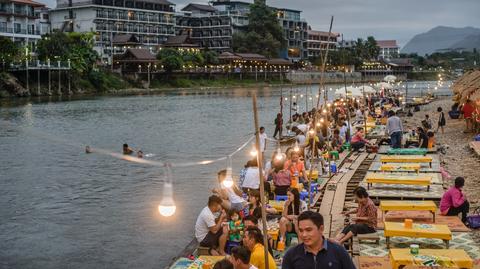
(452, 198)
(357, 138)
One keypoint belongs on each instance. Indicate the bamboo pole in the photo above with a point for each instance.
(260, 174)
(323, 68)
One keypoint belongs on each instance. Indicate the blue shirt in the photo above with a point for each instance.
(330, 256)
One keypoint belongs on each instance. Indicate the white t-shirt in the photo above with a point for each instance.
(252, 267)
(232, 196)
(205, 221)
(301, 139)
(251, 178)
(263, 142)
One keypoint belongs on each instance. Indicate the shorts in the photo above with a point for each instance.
(358, 228)
(211, 239)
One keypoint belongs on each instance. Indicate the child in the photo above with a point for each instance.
(235, 227)
(431, 139)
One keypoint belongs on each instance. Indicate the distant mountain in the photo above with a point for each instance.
(470, 42)
(443, 38)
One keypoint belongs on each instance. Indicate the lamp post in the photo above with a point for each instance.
(59, 79)
(69, 83)
(49, 78)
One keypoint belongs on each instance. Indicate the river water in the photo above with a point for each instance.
(62, 208)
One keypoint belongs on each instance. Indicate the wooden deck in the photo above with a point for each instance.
(475, 146)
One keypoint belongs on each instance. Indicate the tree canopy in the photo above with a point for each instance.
(264, 34)
(9, 51)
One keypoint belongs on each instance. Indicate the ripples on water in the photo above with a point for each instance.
(62, 208)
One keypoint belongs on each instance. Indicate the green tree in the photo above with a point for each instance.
(371, 47)
(8, 51)
(264, 34)
(210, 57)
(171, 59)
(76, 47)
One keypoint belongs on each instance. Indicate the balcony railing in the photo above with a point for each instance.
(21, 31)
(18, 12)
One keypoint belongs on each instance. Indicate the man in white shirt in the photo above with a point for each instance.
(209, 232)
(240, 258)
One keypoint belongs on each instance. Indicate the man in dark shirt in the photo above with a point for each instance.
(315, 252)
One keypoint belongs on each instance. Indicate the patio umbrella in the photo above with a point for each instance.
(390, 78)
(367, 89)
(351, 92)
(384, 86)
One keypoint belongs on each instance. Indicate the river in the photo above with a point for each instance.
(62, 208)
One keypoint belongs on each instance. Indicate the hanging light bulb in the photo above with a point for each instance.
(324, 111)
(296, 148)
(341, 100)
(318, 125)
(301, 95)
(329, 105)
(279, 155)
(286, 98)
(317, 95)
(167, 206)
(309, 98)
(254, 151)
(312, 131)
(228, 181)
(322, 120)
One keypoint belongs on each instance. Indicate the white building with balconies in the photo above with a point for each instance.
(151, 21)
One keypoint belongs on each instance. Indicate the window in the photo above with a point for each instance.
(17, 27)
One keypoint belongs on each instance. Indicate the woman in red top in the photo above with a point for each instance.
(358, 141)
(468, 110)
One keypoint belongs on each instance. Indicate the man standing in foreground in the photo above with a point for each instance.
(315, 252)
(394, 129)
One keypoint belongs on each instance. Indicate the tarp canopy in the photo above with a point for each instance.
(390, 78)
(351, 92)
(383, 86)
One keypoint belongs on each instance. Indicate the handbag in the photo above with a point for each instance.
(473, 220)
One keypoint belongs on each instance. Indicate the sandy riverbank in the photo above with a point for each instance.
(459, 160)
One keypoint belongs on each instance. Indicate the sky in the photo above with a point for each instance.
(383, 19)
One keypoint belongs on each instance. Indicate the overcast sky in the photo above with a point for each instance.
(384, 19)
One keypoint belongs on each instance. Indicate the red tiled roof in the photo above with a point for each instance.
(387, 43)
(29, 2)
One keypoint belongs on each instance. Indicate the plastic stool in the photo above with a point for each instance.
(289, 237)
(281, 197)
(303, 195)
(335, 154)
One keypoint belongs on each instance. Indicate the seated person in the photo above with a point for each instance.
(281, 178)
(431, 139)
(365, 219)
(422, 138)
(296, 167)
(255, 203)
(223, 264)
(253, 221)
(358, 141)
(235, 226)
(292, 208)
(127, 150)
(454, 201)
(231, 197)
(253, 241)
(211, 232)
(337, 141)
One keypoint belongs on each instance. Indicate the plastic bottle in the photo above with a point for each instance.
(333, 167)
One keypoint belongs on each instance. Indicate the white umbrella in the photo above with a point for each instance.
(351, 92)
(367, 89)
(383, 85)
(390, 78)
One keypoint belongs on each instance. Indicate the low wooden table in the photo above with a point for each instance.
(401, 167)
(390, 178)
(400, 257)
(386, 206)
(418, 230)
(407, 151)
(406, 159)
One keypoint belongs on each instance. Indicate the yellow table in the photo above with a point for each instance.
(422, 180)
(278, 205)
(437, 231)
(401, 167)
(406, 159)
(386, 206)
(211, 259)
(401, 256)
(314, 174)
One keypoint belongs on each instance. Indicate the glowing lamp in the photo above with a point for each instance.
(167, 206)
(279, 155)
(296, 148)
(228, 181)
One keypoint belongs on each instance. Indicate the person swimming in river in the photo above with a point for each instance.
(140, 154)
(127, 150)
(88, 149)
